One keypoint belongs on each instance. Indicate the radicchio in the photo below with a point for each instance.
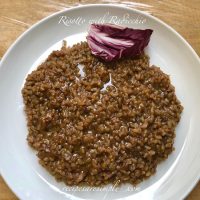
(111, 42)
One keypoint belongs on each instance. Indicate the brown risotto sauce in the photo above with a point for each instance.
(96, 123)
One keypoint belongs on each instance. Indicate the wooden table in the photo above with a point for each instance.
(16, 16)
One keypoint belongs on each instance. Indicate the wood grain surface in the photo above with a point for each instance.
(18, 15)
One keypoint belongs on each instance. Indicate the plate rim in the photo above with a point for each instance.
(75, 7)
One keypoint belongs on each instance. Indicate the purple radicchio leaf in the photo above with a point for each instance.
(111, 42)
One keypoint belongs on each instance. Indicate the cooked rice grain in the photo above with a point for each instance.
(96, 123)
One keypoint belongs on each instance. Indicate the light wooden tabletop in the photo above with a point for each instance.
(16, 16)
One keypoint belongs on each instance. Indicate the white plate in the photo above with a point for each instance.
(175, 177)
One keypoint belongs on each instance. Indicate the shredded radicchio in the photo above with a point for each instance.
(111, 42)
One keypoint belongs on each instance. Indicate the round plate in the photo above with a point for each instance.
(174, 178)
